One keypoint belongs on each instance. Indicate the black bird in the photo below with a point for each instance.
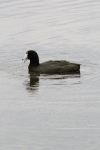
(50, 67)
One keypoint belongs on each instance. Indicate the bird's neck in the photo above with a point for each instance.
(34, 63)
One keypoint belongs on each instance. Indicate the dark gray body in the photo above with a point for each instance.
(55, 67)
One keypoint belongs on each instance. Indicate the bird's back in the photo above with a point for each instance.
(55, 67)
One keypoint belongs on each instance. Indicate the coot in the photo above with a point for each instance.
(50, 67)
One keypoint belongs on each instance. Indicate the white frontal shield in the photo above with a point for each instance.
(25, 58)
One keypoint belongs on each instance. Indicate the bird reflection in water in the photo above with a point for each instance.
(33, 83)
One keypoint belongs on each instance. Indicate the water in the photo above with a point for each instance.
(49, 112)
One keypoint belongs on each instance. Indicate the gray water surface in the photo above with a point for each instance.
(49, 112)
